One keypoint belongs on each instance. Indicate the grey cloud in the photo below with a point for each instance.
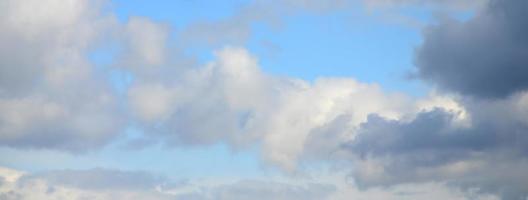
(429, 130)
(489, 154)
(483, 57)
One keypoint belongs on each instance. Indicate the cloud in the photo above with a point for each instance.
(484, 57)
(488, 154)
(51, 96)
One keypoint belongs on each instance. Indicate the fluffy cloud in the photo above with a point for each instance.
(50, 94)
(483, 57)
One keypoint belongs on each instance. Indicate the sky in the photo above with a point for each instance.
(258, 99)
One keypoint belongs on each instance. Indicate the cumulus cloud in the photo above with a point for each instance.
(488, 154)
(231, 100)
(51, 96)
(483, 57)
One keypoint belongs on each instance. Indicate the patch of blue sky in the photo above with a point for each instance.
(340, 45)
(105, 56)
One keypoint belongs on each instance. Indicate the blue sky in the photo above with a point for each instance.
(286, 99)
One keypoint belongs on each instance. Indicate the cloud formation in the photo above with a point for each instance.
(53, 97)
